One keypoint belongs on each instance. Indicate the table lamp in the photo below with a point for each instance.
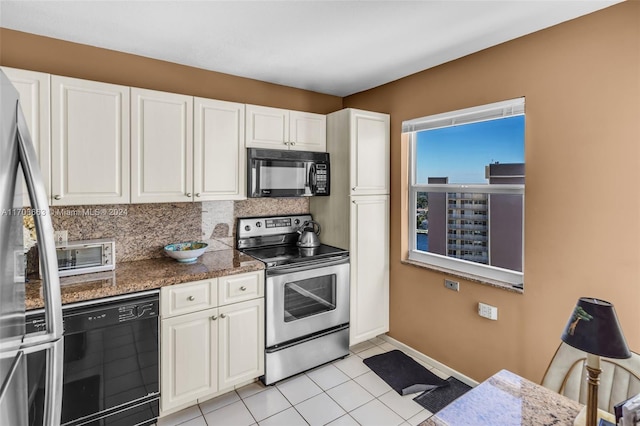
(594, 328)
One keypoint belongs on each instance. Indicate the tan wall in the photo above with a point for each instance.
(37, 53)
(581, 81)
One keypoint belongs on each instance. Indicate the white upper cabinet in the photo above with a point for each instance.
(89, 143)
(277, 128)
(161, 147)
(369, 153)
(219, 166)
(34, 89)
(307, 131)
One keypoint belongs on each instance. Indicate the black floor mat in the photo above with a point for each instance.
(402, 373)
(436, 399)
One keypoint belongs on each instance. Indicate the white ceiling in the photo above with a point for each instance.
(334, 47)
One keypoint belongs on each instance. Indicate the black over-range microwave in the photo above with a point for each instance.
(280, 173)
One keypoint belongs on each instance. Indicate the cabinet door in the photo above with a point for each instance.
(241, 344)
(219, 165)
(89, 143)
(369, 251)
(161, 147)
(267, 127)
(34, 90)
(369, 153)
(188, 358)
(307, 131)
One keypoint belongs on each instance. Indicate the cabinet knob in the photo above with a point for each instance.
(292, 143)
(223, 316)
(243, 288)
(191, 298)
(197, 194)
(57, 197)
(353, 189)
(213, 318)
(188, 194)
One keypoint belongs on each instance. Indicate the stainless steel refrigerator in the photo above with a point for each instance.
(18, 164)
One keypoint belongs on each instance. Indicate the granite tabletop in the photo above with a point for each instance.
(507, 399)
(131, 277)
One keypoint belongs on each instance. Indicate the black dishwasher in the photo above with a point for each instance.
(111, 362)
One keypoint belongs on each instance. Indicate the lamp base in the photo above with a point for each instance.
(581, 418)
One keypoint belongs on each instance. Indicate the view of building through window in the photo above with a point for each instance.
(483, 225)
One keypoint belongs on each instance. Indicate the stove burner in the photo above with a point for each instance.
(287, 254)
(273, 241)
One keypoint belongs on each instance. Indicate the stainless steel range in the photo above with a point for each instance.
(306, 295)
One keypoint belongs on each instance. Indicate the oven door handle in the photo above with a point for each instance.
(289, 269)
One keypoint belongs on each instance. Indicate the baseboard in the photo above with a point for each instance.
(422, 357)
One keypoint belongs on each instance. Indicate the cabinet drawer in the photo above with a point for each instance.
(236, 288)
(191, 297)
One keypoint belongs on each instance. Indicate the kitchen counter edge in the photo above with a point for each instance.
(141, 275)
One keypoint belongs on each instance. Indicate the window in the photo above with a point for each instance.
(466, 191)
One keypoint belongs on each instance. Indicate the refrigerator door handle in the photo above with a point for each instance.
(52, 412)
(9, 378)
(44, 233)
(53, 384)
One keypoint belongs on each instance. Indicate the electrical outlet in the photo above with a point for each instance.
(60, 236)
(452, 285)
(488, 311)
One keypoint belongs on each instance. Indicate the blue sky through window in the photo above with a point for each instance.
(462, 152)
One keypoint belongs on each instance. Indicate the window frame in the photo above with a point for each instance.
(469, 269)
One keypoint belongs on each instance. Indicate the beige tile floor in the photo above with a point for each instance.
(344, 392)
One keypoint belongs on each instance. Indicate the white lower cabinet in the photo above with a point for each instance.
(206, 348)
(240, 343)
(369, 252)
(188, 358)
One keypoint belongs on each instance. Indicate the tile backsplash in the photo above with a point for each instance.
(142, 230)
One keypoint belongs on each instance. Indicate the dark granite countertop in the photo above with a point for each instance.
(131, 277)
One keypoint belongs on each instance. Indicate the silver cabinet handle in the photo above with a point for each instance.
(213, 318)
(223, 316)
(191, 298)
(243, 288)
(57, 197)
(188, 194)
(197, 194)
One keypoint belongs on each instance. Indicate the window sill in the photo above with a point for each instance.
(469, 277)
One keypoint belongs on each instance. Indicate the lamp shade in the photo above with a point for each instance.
(594, 328)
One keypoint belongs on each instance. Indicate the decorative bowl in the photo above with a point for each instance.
(187, 252)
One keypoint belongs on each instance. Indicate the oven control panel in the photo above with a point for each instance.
(272, 225)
